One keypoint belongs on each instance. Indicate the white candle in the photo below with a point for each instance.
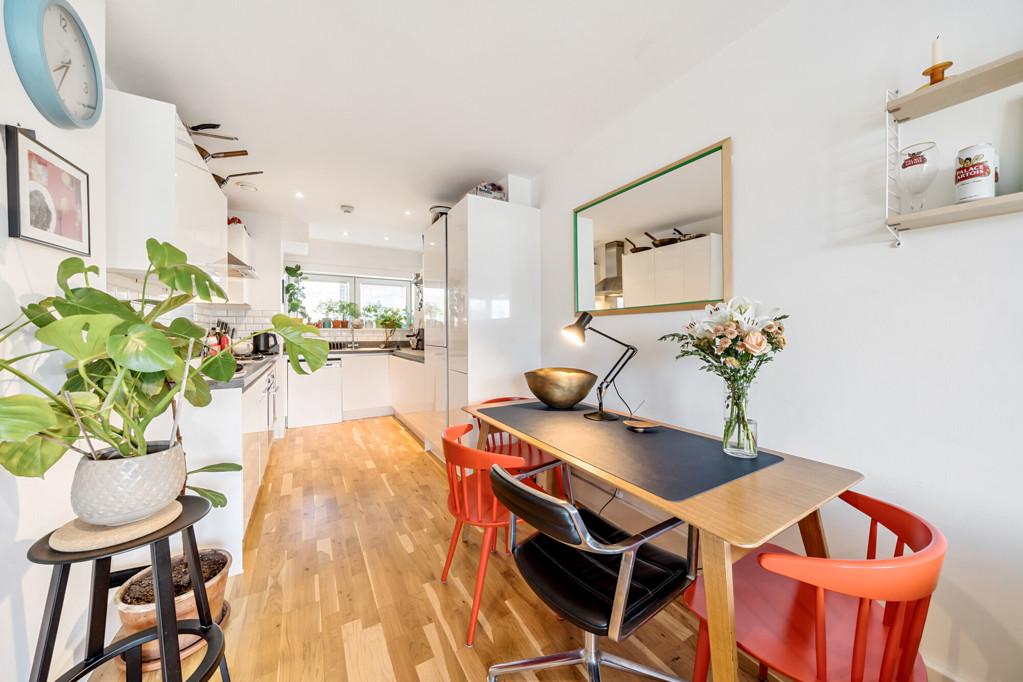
(936, 51)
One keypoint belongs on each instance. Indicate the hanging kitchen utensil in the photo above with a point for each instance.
(636, 249)
(666, 241)
(223, 180)
(201, 128)
(687, 236)
(206, 155)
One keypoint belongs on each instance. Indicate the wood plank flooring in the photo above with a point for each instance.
(342, 581)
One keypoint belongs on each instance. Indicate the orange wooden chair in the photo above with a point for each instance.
(819, 619)
(504, 443)
(471, 501)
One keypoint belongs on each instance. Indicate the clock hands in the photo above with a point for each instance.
(67, 67)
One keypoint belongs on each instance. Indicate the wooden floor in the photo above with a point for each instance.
(342, 577)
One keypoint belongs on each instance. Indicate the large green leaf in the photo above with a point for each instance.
(219, 367)
(172, 268)
(100, 372)
(197, 390)
(89, 301)
(216, 498)
(69, 267)
(22, 416)
(302, 342)
(166, 305)
(186, 329)
(142, 349)
(39, 313)
(35, 455)
(222, 467)
(80, 336)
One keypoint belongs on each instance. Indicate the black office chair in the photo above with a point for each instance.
(591, 573)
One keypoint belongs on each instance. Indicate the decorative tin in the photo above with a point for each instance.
(976, 173)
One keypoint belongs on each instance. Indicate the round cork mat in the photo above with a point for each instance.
(79, 536)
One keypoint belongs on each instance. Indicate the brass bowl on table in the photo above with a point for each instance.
(560, 387)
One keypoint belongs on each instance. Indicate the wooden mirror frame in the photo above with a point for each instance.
(725, 147)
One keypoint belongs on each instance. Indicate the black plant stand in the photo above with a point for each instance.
(168, 627)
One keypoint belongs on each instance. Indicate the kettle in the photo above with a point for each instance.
(264, 343)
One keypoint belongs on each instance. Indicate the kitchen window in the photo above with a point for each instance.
(364, 291)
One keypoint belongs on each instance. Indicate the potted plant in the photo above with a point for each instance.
(326, 309)
(370, 312)
(347, 310)
(390, 319)
(124, 369)
(136, 601)
(294, 292)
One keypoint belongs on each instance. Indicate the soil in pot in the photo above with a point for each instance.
(142, 591)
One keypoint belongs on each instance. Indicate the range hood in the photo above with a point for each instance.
(236, 267)
(611, 285)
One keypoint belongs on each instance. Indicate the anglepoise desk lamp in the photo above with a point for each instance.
(576, 333)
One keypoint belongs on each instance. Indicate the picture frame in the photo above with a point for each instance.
(47, 195)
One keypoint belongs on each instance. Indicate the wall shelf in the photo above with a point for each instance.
(959, 88)
(982, 208)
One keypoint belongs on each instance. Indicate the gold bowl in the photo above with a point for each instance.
(560, 387)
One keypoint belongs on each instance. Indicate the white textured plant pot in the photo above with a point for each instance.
(113, 492)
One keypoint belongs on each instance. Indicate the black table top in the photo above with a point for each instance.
(193, 509)
(670, 463)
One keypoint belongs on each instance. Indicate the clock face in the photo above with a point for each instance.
(69, 58)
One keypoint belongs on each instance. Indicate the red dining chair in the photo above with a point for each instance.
(471, 501)
(819, 619)
(504, 443)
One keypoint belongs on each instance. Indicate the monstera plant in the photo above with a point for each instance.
(126, 363)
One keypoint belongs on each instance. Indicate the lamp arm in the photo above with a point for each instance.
(616, 369)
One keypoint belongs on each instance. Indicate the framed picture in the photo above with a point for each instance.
(47, 195)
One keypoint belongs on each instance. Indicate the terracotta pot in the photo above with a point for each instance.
(138, 617)
(344, 324)
(337, 324)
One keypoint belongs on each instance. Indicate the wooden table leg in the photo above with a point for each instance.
(811, 528)
(481, 443)
(717, 576)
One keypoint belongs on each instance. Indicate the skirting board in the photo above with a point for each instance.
(367, 412)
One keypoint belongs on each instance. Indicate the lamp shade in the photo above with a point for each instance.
(576, 332)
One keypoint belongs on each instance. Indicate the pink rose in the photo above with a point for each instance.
(755, 343)
(731, 332)
(771, 327)
(722, 346)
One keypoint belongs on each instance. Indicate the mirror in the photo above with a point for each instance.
(659, 243)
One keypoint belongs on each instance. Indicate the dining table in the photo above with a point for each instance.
(736, 504)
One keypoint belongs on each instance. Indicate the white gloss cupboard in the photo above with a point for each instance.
(366, 389)
(158, 186)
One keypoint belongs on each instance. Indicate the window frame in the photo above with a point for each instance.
(354, 286)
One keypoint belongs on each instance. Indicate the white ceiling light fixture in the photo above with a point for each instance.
(344, 234)
(347, 208)
(299, 195)
(407, 212)
(387, 239)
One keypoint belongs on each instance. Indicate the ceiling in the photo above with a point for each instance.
(396, 106)
(683, 197)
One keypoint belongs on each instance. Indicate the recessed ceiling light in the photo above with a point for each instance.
(247, 186)
(344, 234)
(433, 244)
(387, 239)
(299, 195)
(408, 212)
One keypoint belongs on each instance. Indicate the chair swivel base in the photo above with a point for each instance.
(591, 656)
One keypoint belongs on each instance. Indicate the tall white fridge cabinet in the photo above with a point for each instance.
(490, 307)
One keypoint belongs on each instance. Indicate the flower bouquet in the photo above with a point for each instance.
(734, 341)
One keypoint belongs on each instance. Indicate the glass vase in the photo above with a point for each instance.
(740, 432)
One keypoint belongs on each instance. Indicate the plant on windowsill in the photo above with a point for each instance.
(347, 311)
(390, 319)
(328, 310)
(124, 368)
(294, 292)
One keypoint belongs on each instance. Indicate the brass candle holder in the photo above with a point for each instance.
(936, 72)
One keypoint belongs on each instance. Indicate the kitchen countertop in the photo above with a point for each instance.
(254, 370)
(409, 354)
(403, 352)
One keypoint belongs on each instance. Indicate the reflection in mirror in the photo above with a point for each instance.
(659, 243)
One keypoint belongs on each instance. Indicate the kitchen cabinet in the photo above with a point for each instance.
(409, 395)
(158, 186)
(255, 444)
(687, 271)
(315, 398)
(238, 245)
(638, 281)
(366, 386)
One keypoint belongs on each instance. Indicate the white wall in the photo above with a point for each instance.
(896, 365)
(358, 259)
(29, 508)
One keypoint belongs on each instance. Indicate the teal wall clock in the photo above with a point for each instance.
(55, 60)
